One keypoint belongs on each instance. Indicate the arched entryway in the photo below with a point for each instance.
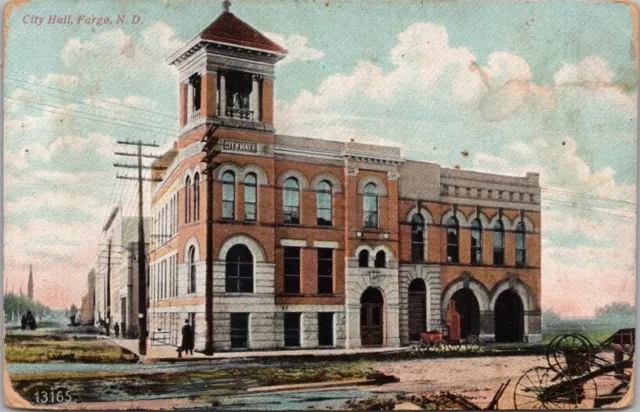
(417, 308)
(469, 309)
(509, 317)
(371, 317)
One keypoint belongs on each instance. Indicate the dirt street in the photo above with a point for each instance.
(476, 378)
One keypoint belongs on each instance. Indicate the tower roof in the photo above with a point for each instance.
(227, 28)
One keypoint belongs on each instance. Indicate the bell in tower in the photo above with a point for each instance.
(226, 76)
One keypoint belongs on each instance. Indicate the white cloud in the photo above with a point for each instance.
(297, 47)
(591, 69)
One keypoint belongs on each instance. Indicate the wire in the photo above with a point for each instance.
(91, 97)
(560, 203)
(85, 118)
(608, 199)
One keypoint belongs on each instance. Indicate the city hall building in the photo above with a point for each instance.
(319, 244)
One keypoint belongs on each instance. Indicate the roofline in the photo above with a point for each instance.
(198, 39)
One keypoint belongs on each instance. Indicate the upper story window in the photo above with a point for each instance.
(228, 195)
(325, 271)
(291, 201)
(370, 205)
(324, 203)
(191, 288)
(521, 248)
(196, 197)
(363, 258)
(417, 238)
(476, 241)
(187, 200)
(250, 197)
(239, 270)
(195, 95)
(452, 240)
(498, 243)
(381, 259)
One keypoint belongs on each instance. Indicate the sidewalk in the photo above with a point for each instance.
(166, 353)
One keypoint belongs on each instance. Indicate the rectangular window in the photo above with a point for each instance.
(325, 329)
(239, 330)
(325, 271)
(292, 270)
(292, 329)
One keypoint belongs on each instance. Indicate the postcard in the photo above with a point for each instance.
(319, 205)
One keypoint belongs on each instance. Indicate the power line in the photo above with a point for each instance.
(91, 97)
(560, 203)
(608, 199)
(96, 119)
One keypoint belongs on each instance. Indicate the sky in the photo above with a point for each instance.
(546, 87)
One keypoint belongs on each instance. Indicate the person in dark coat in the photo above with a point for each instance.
(116, 329)
(187, 339)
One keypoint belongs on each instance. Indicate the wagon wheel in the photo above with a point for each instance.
(438, 346)
(586, 393)
(541, 388)
(570, 354)
(454, 345)
(472, 344)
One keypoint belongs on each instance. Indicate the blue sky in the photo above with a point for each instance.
(547, 87)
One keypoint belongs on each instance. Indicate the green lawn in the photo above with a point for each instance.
(25, 348)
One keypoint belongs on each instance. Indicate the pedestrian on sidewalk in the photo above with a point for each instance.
(116, 329)
(187, 339)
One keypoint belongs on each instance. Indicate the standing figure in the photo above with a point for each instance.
(116, 329)
(187, 339)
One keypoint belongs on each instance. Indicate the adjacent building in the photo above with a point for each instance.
(87, 309)
(320, 243)
(116, 283)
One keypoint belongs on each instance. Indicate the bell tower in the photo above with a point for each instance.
(226, 76)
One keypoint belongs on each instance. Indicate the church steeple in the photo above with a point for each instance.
(30, 284)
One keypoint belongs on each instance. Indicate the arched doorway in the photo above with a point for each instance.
(371, 322)
(469, 309)
(417, 309)
(509, 317)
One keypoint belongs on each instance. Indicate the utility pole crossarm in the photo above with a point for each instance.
(147, 179)
(147, 155)
(130, 166)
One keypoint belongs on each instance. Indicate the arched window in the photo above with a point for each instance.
(417, 238)
(192, 270)
(291, 201)
(228, 195)
(476, 241)
(239, 270)
(324, 203)
(370, 205)
(452, 240)
(250, 197)
(363, 258)
(498, 243)
(196, 197)
(187, 200)
(521, 248)
(381, 259)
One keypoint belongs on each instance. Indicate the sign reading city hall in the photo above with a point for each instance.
(239, 146)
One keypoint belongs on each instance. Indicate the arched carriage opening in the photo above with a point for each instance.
(469, 309)
(509, 317)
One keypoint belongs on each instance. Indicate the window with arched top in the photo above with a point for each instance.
(250, 197)
(521, 248)
(191, 287)
(324, 202)
(291, 201)
(476, 241)
(239, 270)
(452, 240)
(417, 238)
(380, 260)
(498, 243)
(187, 200)
(363, 258)
(196, 197)
(370, 205)
(228, 195)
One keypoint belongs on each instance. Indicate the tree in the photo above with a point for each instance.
(618, 314)
(73, 310)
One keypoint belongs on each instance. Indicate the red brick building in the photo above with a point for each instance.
(318, 243)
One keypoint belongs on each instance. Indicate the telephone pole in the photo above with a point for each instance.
(142, 261)
(109, 288)
(211, 151)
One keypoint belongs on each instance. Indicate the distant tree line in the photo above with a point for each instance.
(15, 306)
(614, 316)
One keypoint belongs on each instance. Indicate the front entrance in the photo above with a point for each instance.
(371, 323)
(417, 309)
(509, 317)
(469, 309)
